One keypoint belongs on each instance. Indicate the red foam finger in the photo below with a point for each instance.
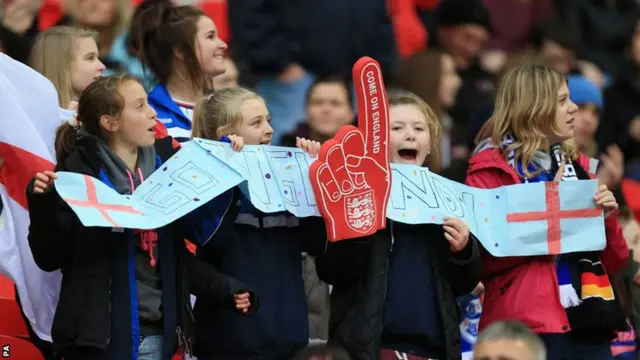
(373, 109)
(336, 164)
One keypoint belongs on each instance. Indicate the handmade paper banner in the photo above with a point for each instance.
(185, 182)
(516, 220)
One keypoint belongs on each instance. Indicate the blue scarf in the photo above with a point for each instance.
(545, 164)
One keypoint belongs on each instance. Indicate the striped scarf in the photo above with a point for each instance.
(580, 272)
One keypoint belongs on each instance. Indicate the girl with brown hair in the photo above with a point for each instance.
(181, 46)
(125, 292)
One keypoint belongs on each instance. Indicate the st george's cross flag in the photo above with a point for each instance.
(29, 115)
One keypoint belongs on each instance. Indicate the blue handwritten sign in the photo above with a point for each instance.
(509, 221)
(185, 182)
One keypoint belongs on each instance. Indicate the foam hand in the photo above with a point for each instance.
(351, 178)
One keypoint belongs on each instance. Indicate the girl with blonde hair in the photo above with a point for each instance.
(526, 140)
(394, 292)
(68, 57)
(262, 250)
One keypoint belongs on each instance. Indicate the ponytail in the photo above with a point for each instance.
(101, 98)
(65, 142)
(159, 30)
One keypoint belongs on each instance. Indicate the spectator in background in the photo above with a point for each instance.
(68, 57)
(432, 75)
(621, 121)
(588, 97)
(509, 340)
(109, 18)
(512, 24)
(181, 47)
(18, 27)
(601, 27)
(555, 44)
(286, 44)
(463, 31)
(329, 105)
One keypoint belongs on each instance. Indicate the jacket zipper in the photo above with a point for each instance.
(386, 269)
(221, 219)
(109, 324)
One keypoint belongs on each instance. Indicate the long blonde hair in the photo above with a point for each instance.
(54, 54)
(525, 107)
(402, 97)
(219, 114)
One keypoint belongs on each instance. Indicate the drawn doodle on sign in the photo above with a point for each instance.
(286, 186)
(469, 200)
(450, 201)
(247, 163)
(194, 178)
(251, 164)
(409, 187)
(303, 168)
(167, 201)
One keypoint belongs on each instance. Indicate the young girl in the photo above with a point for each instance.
(528, 139)
(125, 293)
(394, 293)
(68, 57)
(261, 250)
(180, 45)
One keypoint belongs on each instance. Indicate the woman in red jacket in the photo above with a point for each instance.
(566, 299)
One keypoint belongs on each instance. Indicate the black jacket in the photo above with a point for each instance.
(358, 269)
(97, 309)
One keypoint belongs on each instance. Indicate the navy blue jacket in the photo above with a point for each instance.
(361, 273)
(412, 321)
(264, 252)
(97, 309)
(326, 37)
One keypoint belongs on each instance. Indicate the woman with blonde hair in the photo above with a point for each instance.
(68, 57)
(394, 292)
(567, 299)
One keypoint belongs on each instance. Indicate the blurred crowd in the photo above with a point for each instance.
(298, 55)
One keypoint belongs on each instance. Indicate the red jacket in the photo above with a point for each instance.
(526, 288)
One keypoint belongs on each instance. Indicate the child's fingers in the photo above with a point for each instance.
(51, 175)
(42, 177)
(241, 296)
(452, 231)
